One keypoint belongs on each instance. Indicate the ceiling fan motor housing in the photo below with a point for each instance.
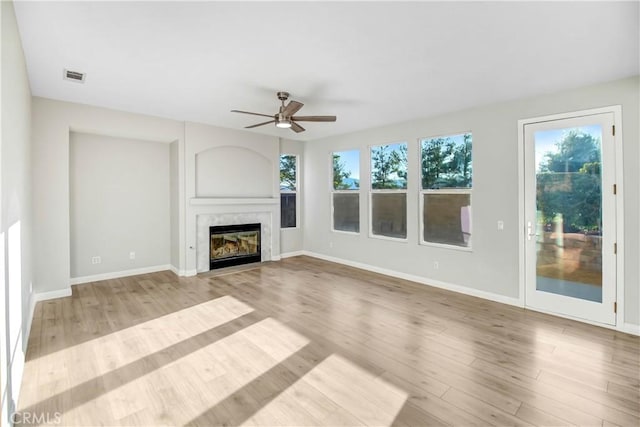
(283, 96)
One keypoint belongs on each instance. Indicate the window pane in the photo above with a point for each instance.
(389, 214)
(447, 219)
(288, 175)
(346, 170)
(287, 210)
(346, 212)
(389, 166)
(446, 162)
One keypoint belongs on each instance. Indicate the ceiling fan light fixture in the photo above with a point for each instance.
(283, 122)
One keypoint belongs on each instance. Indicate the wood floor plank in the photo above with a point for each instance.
(307, 342)
(625, 404)
(529, 392)
(537, 417)
(411, 415)
(488, 413)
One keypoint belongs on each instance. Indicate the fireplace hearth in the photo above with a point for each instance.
(234, 245)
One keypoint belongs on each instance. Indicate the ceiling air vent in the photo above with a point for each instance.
(74, 76)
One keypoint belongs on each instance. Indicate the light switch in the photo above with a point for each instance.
(500, 225)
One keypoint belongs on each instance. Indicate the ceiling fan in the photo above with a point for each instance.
(285, 117)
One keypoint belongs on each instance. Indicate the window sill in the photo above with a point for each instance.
(351, 233)
(392, 239)
(445, 246)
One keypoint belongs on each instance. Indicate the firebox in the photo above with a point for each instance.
(234, 245)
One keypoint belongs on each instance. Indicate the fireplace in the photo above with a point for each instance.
(234, 245)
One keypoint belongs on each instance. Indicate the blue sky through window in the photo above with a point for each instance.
(351, 160)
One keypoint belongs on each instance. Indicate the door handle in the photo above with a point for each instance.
(530, 232)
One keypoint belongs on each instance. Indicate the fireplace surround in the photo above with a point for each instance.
(235, 244)
(209, 215)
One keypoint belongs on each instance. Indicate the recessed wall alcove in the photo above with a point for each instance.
(120, 200)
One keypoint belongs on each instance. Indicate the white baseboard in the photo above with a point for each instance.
(292, 254)
(177, 271)
(44, 296)
(118, 274)
(275, 257)
(630, 328)
(189, 273)
(422, 280)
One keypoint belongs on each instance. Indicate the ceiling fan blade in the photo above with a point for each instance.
(259, 124)
(296, 127)
(292, 108)
(314, 118)
(249, 112)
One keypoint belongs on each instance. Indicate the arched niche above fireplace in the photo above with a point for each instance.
(229, 171)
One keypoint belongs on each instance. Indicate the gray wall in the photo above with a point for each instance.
(15, 206)
(292, 239)
(119, 203)
(492, 266)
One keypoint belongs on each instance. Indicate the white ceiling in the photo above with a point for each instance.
(369, 63)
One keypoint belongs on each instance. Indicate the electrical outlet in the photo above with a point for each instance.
(500, 225)
(96, 260)
(132, 255)
(436, 265)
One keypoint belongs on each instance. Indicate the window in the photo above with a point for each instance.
(446, 175)
(288, 190)
(389, 190)
(345, 196)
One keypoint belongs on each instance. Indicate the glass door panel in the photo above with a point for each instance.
(569, 211)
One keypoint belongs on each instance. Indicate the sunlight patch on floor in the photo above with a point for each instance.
(183, 389)
(126, 345)
(82, 363)
(335, 392)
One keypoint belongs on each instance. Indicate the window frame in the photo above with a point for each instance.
(295, 191)
(333, 191)
(373, 191)
(452, 190)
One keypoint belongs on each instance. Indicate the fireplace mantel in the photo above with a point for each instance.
(221, 201)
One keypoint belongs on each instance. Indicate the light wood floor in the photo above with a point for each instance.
(306, 342)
